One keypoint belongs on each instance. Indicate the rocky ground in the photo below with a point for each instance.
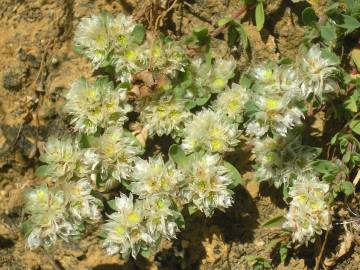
(38, 63)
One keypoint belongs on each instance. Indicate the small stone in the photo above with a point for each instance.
(33, 61)
(13, 78)
(253, 188)
(22, 54)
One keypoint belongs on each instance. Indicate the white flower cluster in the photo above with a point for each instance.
(164, 116)
(65, 159)
(117, 151)
(279, 92)
(94, 105)
(208, 182)
(118, 41)
(59, 212)
(309, 213)
(281, 159)
(189, 100)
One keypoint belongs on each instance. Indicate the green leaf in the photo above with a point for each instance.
(243, 36)
(200, 101)
(233, 35)
(328, 33)
(283, 252)
(309, 17)
(223, 21)
(245, 81)
(274, 222)
(329, 54)
(191, 209)
(202, 35)
(26, 227)
(145, 252)
(42, 170)
(347, 188)
(350, 24)
(355, 126)
(324, 166)
(235, 175)
(259, 16)
(112, 205)
(138, 34)
(178, 156)
(355, 56)
(351, 104)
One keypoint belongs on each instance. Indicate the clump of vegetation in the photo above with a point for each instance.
(153, 87)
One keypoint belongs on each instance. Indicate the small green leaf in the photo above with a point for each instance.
(145, 252)
(42, 170)
(347, 188)
(355, 56)
(243, 36)
(274, 222)
(112, 205)
(329, 54)
(328, 33)
(309, 17)
(191, 209)
(283, 252)
(324, 166)
(138, 34)
(26, 227)
(259, 16)
(202, 35)
(223, 21)
(178, 155)
(202, 100)
(350, 24)
(351, 104)
(235, 175)
(355, 126)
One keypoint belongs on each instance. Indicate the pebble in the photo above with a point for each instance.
(14, 77)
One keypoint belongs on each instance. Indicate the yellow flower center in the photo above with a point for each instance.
(272, 104)
(134, 217)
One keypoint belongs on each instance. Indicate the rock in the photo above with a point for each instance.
(33, 62)
(14, 78)
(22, 54)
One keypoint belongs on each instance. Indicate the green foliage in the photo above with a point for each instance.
(259, 15)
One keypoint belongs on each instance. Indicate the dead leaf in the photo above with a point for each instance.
(145, 76)
(345, 247)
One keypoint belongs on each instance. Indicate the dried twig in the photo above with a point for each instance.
(319, 257)
(162, 15)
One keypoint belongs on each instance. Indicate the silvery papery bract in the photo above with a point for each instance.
(207, 182)
(97, 35)
(82, 205)
(156, 177)
(166, 57)
(309, 213)
(210, 131)
(210, 77)
(161, 218)
(274, 96)
(117, 151)
(317, 73)
(48, 217)
(280, 159)
(65, 159)
(130, 60)
(94, 105)
(165, 116)
(231, 102)
(125, 231)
